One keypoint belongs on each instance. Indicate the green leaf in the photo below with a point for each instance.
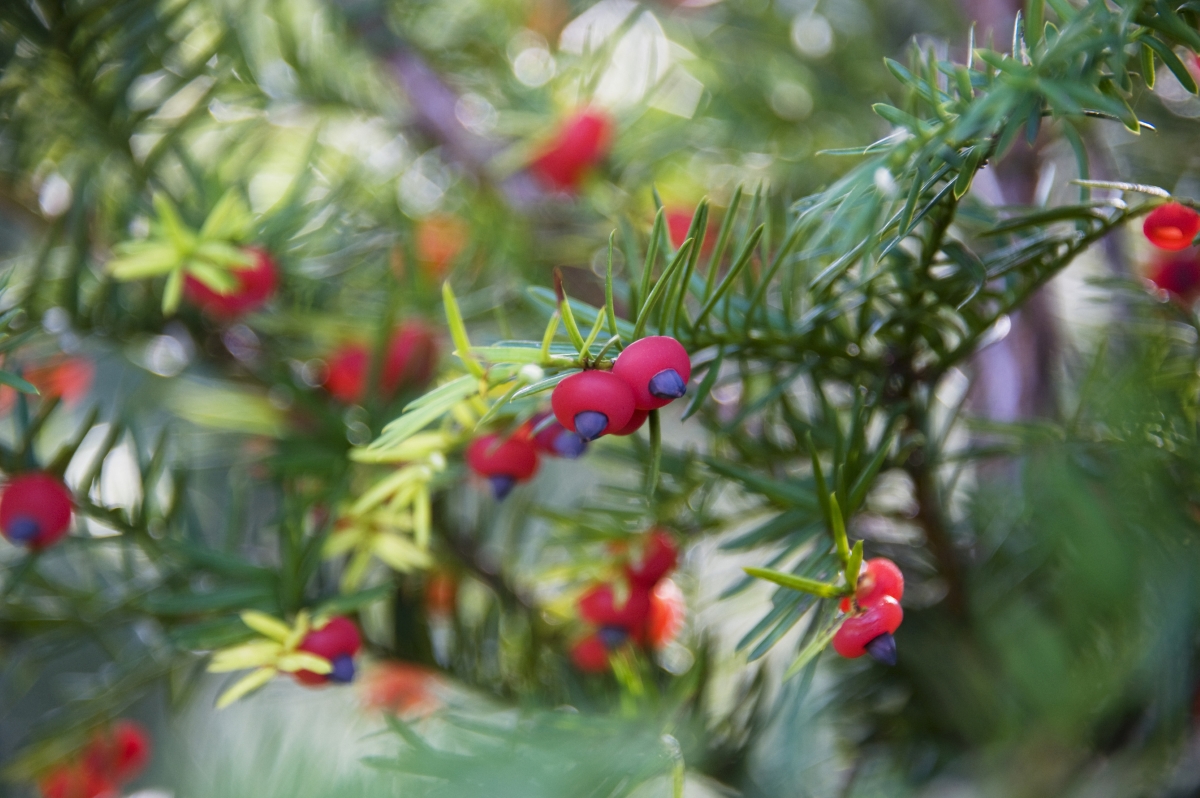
(854, 564)
(172, 292)
(458, 331)
(837, 526)
(793, 582)
(14, 381)
(815, 646)
(180, 236)
(1171, 61)
(706, 385)
(655, 454)
(543, 385)
(521, 354)
(460, 388)
(352, 602)
(660, 288)
(229, 219)
(138, 260)
(897, 117)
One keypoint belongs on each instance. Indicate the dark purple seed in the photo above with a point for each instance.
(883, 649)
(667, 384)
(569, 445)
(590, 424)
(502, 485)
(612, 636)
(343, 669)
(23, 529)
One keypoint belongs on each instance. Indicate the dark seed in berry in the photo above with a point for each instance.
(883, 649)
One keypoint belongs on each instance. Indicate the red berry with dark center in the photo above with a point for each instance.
(657, 369)
(599, 607)
(658, 558)
(337, 641)
(635, 423)
(580, 144)
(879, 577)
(1172, 226)
(556, 440)
(503, 461)
(35, 510)
(593, 403)
(864, 632)
(1178, 274)
(256, 284)
(667, 611)
(590, 654)
(679, 221)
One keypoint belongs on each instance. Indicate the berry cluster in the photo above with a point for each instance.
(35, 510)
(337, 641)
(650, 613)
(875, 613)
(113, 758)
(1173, 227)
(411, 355)
(580, 143)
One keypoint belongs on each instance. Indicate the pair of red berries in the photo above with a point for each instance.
(337, 641)
(581, 142)
(35, 510)
(411, 355)
(650, 373)
(504, 462)
(875, 613)
(256, 283)
(651, 613)
(113, 757)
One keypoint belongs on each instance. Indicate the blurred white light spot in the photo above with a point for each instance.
(226, 113)
(267, 188)
(56, 320)
(678, 94)
(476, 114)
(997, 333)
(120, 483)
(147, 91)
(278, 80)
(791, 100)
(592, 27)
(55, 195)
(152, 794)
(164, 356)
(638, 62)
(884, 182)
(423, 185)
(812, 35)
(139, 226)
(183, 101)
(534, 66)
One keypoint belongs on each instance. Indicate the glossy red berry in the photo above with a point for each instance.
(35, 510)
(879, 577)
(256, 284)
(1177, 273)
(590, 654)
(581, 143)
(657, 369)
(659, 556)
(593, 403)
(503, 461)
(556, 440)
(667, 611)
(870, 631)
(636, 422)
(337, 641)
(1172, 226)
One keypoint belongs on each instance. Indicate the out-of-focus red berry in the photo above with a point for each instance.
(679, 221)
(346, 373)
(441, 593)
(118, 754)
(68, 378)
(400, 688)
(256, 284)
(503, 461)
(581, 143)
(879, 577)
(667, 611)
(556, 440)
(1177, 273)
(657, 368)
(77, 781)
(881, 618)
(337, 641)
(599, 606)
(439, 240)
(593, 403)
(1172, 226)
(411, 355)
(658, 558)
(590, 654)
(636, 422)
(35, 510)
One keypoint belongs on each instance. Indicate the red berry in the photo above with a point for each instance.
(77, 781)
(1178, 274)
(862, 629)
(35, 510)
(118, 754)
(679, 221)
(590, 654)
(556, 440)
(659, 557)
(667, 610)
(337, 641)
(635, 423)
(504, 461)
(657, 369)
(255, 285)
(346, 375)
(879, 577)
(580, 144)
(1172, 226)
(411, 354)
(598, 606)
(439, 240)
(593, 403)
(441, 593)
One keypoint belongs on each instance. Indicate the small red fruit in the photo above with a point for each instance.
(1172, 226)
(635, 423)
(590, 654)
(120, 754)
(580, 144)
(879, 577)
(657, 369)
(337, 641)
(679, 221)
(870, 630)
(667, 610)
(35, 510)
(504, 461)
(598, 606)
(256, 284)
(1178, 274)
(593, 403)
(346, 375)
(441, 593)
(659, 557)
(558, 441)
(77, 781)
(439, 240)
(410, 360)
